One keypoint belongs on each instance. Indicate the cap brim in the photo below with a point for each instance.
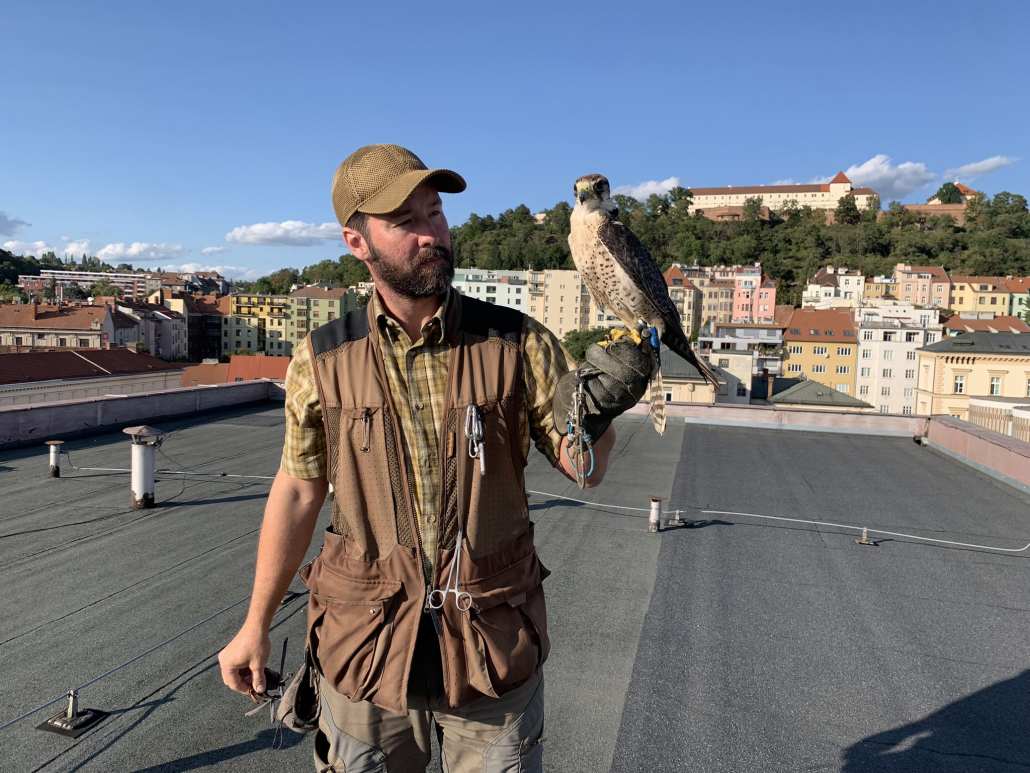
(397, 192)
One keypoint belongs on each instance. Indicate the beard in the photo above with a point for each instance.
(415, 281)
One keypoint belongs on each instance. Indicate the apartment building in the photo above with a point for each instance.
(162, 331)
(251, 316)
(979, 293)
(504, 288)
(28, 326)
(559, 300)
(776, 197)
(764, 343)
(889, 338)
(923, 285)
(686, 296)
(822, 346)
(955, 369)
(880, 288)
(833, 287)
(133, 286)
(306, 309)
(754, 295)
(1019, 296)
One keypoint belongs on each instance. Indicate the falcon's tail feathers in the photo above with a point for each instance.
(658, 402)
(681, 346)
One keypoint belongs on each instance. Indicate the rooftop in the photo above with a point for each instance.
(808, 324)
(739, 645)
(815, 393)
(28, 367)
(999, 324)
(993, 343)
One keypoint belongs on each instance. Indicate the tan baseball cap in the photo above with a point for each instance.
(377, 179)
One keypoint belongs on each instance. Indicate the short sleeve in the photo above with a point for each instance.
(304, 451)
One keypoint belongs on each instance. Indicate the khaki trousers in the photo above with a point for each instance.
(492, 735)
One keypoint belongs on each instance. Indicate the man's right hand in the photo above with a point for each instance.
(243, 660)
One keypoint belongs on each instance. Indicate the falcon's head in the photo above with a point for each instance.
(592, 192)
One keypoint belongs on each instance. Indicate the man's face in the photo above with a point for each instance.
(409, 250)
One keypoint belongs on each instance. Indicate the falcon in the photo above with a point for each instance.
(622, 276)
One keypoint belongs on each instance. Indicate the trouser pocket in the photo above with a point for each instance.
(338, 752)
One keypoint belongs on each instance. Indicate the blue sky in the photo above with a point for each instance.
(207, 133)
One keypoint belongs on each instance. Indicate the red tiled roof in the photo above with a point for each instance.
(759, 189)
(997, 283)
(82, 363)
(198, 375)
(863, 192)
(782, 315)
(57, 317)
(1002, 324)
(840, 178)
(1018, 284)
(965, 190)
(250, 367)
(830, 325)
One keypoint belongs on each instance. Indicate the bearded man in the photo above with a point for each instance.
(426, 601)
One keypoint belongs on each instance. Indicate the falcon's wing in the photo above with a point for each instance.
(633, 257)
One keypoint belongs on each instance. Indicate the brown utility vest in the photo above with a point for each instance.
(368, 590)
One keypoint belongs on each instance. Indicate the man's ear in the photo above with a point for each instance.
(355, 242)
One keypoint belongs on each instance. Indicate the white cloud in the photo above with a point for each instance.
(10, 226)
(891, 182)
(784, 181)
(970, 172)
(289, 233)
(215, 250)
(643, 190)
(229, 272)
(74, 247)
(140, 251)
(27, 248)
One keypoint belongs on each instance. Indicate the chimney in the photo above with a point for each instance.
(770, 380)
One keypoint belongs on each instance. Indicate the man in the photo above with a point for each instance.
(426, 601)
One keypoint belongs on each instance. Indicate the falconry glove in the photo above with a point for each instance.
(615, 377)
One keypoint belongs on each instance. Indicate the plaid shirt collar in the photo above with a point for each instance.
(433, 331)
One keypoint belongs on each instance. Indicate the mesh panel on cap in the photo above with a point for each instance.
(374, 167)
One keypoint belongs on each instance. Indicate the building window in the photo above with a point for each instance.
(888, 354)
(845, 388)
(910, 356)
(909, 391)
(907, 410)
(910, 336)
(819, 350)
(83, 343)
(888, 335)
(1028, 387)
(865, 372)
(818, 368)
(885, 409)
(885, 391)
(911, 373)
(844, 351)
(960, 385)
(996, 385)
(843, 370)
(867, 354)
(795, 367)
(863, 390)
(741, 390)
(888, 373)
(62, 341)
(796, 349)
(867, 335)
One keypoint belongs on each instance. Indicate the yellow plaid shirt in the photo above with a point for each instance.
(417, 373)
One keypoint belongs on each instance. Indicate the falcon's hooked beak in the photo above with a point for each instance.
(583, 192)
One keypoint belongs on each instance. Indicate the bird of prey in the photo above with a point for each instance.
(622, 276)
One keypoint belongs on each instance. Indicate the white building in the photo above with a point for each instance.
(887, 361)
(504, 288)
(834, 288)
(776, 197)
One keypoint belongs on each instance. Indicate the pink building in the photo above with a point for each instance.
(754, 295)
(923, 285)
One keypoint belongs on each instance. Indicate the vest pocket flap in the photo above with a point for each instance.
(337, 588)
(508, 585)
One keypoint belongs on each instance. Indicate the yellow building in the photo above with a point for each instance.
(559, 300)
(255, 321)
(309, 307)
(972, 365)
(979, 293)
(684, 383)
(880, 287)
(686, 296)
(821, 345)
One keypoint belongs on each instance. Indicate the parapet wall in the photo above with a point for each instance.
(993, 453)
(24, 425)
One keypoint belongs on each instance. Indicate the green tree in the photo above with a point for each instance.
(576, 342)
(752, 208)
(949, 194)
(49, 290)
(103, 288)
(847, 212)
(74, 293)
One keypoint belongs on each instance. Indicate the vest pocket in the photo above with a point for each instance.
(352, 625)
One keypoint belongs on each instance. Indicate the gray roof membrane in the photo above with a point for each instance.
(738, 645)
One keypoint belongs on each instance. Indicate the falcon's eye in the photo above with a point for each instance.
(598, 186)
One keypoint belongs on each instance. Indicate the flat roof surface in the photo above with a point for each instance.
(738, 645)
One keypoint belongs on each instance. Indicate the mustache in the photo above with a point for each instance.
(433, 253)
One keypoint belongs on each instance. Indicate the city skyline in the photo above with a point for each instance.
(206, 137)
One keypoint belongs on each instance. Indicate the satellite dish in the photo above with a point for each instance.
(89, 300)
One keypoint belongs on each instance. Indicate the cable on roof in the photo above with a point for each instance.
(164, 472)
(797, 520)
(286, 599)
